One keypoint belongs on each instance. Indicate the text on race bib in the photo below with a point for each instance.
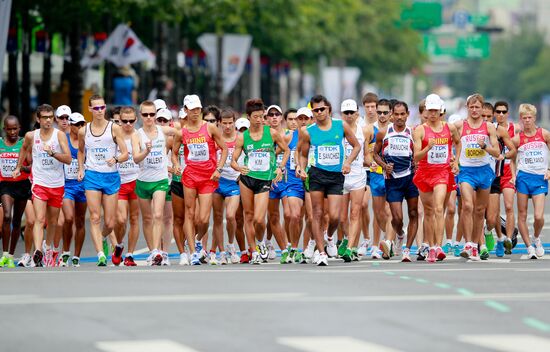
(439, 154)
(328, 155)
(198, 152)
(398, 146)
(71, 171)
(259, 161)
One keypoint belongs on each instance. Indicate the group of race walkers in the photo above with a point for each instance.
(177, 173)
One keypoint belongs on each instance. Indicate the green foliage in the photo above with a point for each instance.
(534, 80)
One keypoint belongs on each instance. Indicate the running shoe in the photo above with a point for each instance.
(310, 249)
(457, 248)
(439, 254)
(347, 255)
(38, 257)
(431, 256)
(223, 259)
(48, 258)
(10, 263)
(75, 261)
(322, 260)
(342, 247)
(531, 253)
(500, 249)
(232, 253)
(508, 245)
(116, 258)
(271, 254)
(3, 261)
(363, 248)
(484, 254)
(157, 259)
(332, 250)
(375, 253)
(55, 258)
(475, 253)
(245, 258)
(256, 259)
(64, 260)
(386, 247)
(195, 260)
(25, 260)
(448, 247)
(467, 251)
(315, 258)
(285, 257)
(539, 249)
(423, 252)
(489, 239)
(165, 259)
(213, 260)
(398, 246)
(201, 253)
(106, 246)
(261, 248)
(129, 261)
(102, 261)
(354, 255)
(184, 259)
(406, 255)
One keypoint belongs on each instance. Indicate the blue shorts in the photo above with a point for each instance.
(294, 189)
(277, 191)
(479, 177)
(228, 188)
(401, 188)
(74, 191)
(105, 182)
(457, 186)
(531, 184)
(377, 185)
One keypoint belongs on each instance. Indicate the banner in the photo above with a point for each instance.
(340, 84)
(235, 48)
(122, 48)
(5, 10)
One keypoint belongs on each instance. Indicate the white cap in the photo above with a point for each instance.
(242, 122)
(348, 105)
(75, 117)
(276, 107)
(167, 114)
(159, 104)
(433, 102)
(304, 111)
(443, 108)
(182, 114)
(192, 102)
(63, 110)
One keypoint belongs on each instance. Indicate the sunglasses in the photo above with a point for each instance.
(47, 117)
(210, 120)
(124, 122)
(274, 114)
(318, 110)
(383, 112)
(148, 114)
(162, 120)
(487, 116)
(98, 108)
(348, 112)
(64, 117)
(502, 112)
(79, 124)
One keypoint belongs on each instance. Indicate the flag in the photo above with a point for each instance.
(122, 48)
(235, 48)
(5, 10)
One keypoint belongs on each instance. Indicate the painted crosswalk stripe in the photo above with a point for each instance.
(509, 343)
(330, 344)
(143, 346)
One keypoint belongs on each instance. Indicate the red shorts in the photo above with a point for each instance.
(53, 196)
(505, 178)
(199, 181)
(426, 180)
(127, 191)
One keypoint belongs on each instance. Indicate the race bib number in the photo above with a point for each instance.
(292, 160)
(399, 146)
(474, 151)
(259, 161)
(357, 162)
(439, 154)
(328, 155)
(198, 152)
(71, 171)
(506, 150)
(8, 165)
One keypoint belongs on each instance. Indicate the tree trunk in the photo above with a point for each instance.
(75, 79)
(26, 73)
(46, 88)
(13, 85)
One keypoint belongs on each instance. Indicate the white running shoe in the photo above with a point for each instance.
(262, 251)
(165, 259)
(332, 250)
(223, 259)
(406, 258)
(539, 249)
(25, 260)
(310, 250)
(271, 254)
(398, 246)
(184, 259)
(256, 258)
(235, 259)
(316, 256)
(386, 247)
(375, 253)
(322, 260)
(363, 248)
(150, 259)
(531, 253)
(213, 260)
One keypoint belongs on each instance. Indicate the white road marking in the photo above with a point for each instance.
(525, 257)
(509, 343)
(330, 344)
(143, 346)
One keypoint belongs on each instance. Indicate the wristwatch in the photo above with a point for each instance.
(219, 169)
(116, 159)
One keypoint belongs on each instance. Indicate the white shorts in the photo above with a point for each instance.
(355, 182)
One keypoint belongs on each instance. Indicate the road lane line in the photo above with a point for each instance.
(508, 343)
(143, 346)
(331, 344)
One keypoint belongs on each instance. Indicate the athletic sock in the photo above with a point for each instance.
(100, 254)
(129, 254)
(5, 254)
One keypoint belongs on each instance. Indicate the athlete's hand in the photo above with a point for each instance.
(16, 172)
(215, 176)
(278, 177)
(148, 146)
(454, 168)
(547, 175)
(431, 143)
(111, 162)
(500, 157)
(80, 175)
(244, 170)
(47, 148)
(389, 169)
(176, 170)
(512, 181)
(346, 168)
(301, 174)
(481, 142)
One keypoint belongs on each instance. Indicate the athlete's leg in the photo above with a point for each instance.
(295, 205)
(493, 211)
(205, 207)
(344, 225)
(428, 222)
(509, 194)
(231, 207)
(365, 215)
(121, 219)
(68, 212)
(40, 219)
(523, 200)
(146, 209)
(439, 198)
(190, 196)
(261, 201)
(58, 235)
(450, 215)
(30, 219)
(94, 207)
(538, 205)
(356, 202)
(7, 206)
(274, 218)
(481, 200)
(239, 233)
(178, 209)
(80, 224)
(168, 220)
(317, 207)
(157, 205)
(467, 214)
(412, 227)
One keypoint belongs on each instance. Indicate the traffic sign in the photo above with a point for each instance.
(464, 46)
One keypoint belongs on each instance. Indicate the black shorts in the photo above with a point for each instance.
(368, 177)
(326, 181)
(495, 186)
(176, 188)
(255, 185)
(19, 190)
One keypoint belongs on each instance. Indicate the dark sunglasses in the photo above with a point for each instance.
(46, 117)
(63, 117)
(79, 124)
(502, 112)
(348, 112)
(117, 122)
(162, 120)
(273, 114)
(383, 112)
(487, 116)
(124, 122)
(210, 120)
(318, 110)
(148, 114)
(99, 108)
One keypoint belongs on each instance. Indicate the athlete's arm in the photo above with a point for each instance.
(25, 149)
(282, 145)
(352, 140)
(418, 135)
(378, 149)
(236, 154)
(168, 131)
(492, 149)
(65, 155)
(546, 136)
(217, 136)
(368, 149)
(503, 134)
(302, 149)
(81, 152)
(366, 144)
(119, 140)
(169, 143)
(455, 136)
(176, 145)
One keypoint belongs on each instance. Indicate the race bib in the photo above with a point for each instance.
(259, 161)
(474, 151)
(439, 154)
(8, 165)
(71, 171)
(328, 155)
(198, 152)
(398, 146)
(357, 162)
(292, 160)
(506, 150)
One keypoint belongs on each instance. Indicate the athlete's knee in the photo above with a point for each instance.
(467, 207)
(413, 213)
(539, 216)
(69, 219)
(95, 219)
(480, 210)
